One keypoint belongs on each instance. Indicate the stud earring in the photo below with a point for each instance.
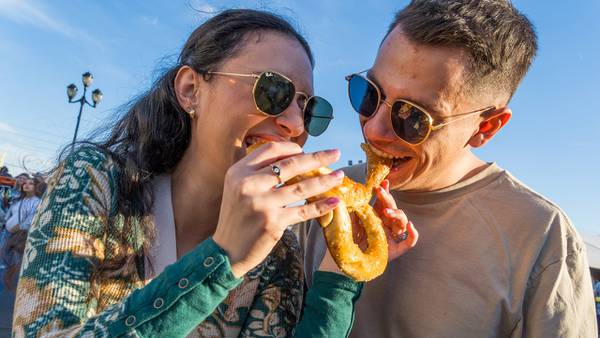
(192, 113)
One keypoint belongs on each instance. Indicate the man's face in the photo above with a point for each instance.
(430, 77)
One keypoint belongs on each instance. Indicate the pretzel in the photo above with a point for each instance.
(337, 224)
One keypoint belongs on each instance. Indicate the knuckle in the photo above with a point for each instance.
(287, 163)
(298, 190)
(304, 212)
(320, 157)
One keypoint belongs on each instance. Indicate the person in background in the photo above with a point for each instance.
(597, 299)
(18, 221)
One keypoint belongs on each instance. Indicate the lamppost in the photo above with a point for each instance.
(87, 80)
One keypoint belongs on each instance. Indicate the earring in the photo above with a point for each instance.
(192, 114)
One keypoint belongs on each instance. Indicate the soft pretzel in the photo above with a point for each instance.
(337, 225)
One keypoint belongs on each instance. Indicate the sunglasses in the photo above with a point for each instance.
(273, 93)
(411, 123)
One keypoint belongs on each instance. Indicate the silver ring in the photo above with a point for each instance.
(400, 238)
(277, 172)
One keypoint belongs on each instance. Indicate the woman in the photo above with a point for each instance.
(167, 228)
(18, 222)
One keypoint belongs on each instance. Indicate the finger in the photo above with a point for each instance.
(396, 220)
(413, 235)
(386, 185)
(305, 189)
(387, 200)
(308, 211)
(311, 164)
(271, 152)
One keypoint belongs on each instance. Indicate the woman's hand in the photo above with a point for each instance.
(401, 233)
(253, 213)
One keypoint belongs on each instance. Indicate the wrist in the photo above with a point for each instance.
(328, 264)
(235, 262)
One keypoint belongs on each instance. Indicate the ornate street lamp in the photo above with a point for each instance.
(87, 78)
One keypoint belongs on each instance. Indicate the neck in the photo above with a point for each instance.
(196, 192)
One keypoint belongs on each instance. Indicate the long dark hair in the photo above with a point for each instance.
(153, 133)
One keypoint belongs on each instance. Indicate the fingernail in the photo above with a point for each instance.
(389, 212)
(332, 201)
(333, 152)
(339, 174)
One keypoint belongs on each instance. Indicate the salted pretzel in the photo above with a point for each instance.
(337, 224)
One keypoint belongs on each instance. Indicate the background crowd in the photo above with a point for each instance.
(18, 204)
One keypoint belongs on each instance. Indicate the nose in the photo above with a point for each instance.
(291, 122)
(379, 127)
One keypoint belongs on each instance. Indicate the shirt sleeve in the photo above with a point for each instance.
(66, 241)
(329, 306)
(559, 299)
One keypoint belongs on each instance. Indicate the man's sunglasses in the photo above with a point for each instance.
(411, 123)
(273, 93)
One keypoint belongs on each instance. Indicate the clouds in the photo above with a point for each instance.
(25, 12)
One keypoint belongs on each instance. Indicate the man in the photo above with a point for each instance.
(494, 258)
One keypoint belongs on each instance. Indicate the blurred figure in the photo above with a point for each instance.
(18, 220)
(597, 296)
(20, 214)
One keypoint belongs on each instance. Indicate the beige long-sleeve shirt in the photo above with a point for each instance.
(494, 259)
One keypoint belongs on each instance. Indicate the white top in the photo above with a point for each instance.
(164, 250)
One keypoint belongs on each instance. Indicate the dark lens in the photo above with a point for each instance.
(410, 123)
(273, 93)
(317, 115)
(363, 95)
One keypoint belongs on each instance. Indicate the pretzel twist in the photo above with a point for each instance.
(337, 224)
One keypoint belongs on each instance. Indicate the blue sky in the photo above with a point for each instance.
(551, 143)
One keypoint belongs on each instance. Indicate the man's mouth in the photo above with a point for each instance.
(397, 161)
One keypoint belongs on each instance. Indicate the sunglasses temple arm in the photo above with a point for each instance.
(235, 74)
(438, 126)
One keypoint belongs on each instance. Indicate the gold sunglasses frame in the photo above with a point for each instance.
(266, 73)
(431, 126)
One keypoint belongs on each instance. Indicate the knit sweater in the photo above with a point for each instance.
(196, 296)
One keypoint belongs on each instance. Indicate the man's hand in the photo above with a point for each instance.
(401, 233)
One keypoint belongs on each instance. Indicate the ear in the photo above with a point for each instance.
(490, 126)
(186, 87)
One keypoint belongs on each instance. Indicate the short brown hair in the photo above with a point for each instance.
(500, 41)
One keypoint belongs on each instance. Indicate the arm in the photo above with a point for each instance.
(329, 306)
(12, 219)
(66, 241)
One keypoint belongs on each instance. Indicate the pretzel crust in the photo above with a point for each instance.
(337, 225)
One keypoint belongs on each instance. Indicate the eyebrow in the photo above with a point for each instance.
(420, 103)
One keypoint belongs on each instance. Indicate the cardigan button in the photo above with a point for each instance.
(183, 283)
(208, 261)
(158, 303)
(130, 320)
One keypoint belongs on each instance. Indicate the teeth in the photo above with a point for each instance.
(386, 155)
(253, 139)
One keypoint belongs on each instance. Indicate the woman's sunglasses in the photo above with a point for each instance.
(273, 93)
(411, 122)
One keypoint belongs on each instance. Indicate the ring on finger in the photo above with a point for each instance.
(401, 237)
(277, 172)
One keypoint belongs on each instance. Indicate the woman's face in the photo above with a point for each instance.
(28, 186)
(227, 119)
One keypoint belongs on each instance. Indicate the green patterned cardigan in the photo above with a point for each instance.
(197, 296)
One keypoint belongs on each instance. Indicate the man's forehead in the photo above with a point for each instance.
(429, 75)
